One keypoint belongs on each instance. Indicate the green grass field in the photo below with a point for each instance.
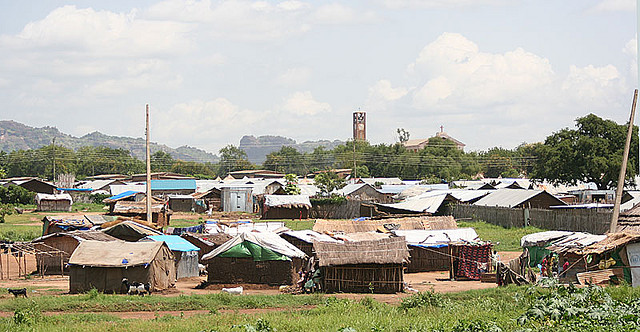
(507, 239)
(500, 309)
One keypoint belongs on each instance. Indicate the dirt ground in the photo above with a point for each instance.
(58, 285)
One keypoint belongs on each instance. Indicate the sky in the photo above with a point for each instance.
(492, 72)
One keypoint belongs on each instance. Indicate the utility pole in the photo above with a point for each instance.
(149, 214)
(623, 167)
(54, 159)
(355, 172)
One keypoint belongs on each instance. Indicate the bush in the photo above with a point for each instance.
(422, 300)
(98, 198)
(16, 195)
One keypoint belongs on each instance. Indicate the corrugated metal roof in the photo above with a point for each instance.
(96, 184)
(428, 204)
(189, 184)
(507, 197)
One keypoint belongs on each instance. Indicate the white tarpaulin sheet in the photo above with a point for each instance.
(429, 238)
(267, 240)
(633, 254)
(542, 238)
(309, 236)
(50, 197)
(280, 200)
(428, 204)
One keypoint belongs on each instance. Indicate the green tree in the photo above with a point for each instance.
(291, 188)
(287, 160)
(232, 159)
(327, 182)
(161, 161)
(590, 153)
(403, 135)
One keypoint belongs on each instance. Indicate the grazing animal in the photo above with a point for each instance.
(234, 290)
(136, 288)
(202, 269)
(17, 291)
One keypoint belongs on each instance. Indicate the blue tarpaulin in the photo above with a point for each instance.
(174, 242)
(125, 194)
(192, 229)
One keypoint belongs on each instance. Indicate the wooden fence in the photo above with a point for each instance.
(344, 210)
(577, 220)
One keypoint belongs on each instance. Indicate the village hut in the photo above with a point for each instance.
(304, 239)
(429, 249)
(629, 221)
(211, 199)
(185, 254)
(130, 231)
(160, 212)
(206, 242)
(181, 203)
(372, 225)
(584, 251)
(96, 265)
(53, 202)
(255, 258)
(362, 267)
(286, 207)
(536, 244)
(66, 243)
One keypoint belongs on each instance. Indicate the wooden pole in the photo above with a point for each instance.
(149, 215)
(623, 167)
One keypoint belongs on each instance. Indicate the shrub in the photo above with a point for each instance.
(422, 300)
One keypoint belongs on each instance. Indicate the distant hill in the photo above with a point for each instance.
(257, 148)
(17, 136)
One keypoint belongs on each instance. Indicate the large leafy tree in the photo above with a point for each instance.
(592, 153)
(232, 159)
(287, 160)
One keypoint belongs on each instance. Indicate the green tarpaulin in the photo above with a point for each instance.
(248, 249)
(536, 254)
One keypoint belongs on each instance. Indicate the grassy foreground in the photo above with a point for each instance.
(503, 309)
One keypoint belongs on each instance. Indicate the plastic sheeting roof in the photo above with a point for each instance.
(266, 240)
(115, 254)
(173, 184)
(50, 197)
(280, 200)
(309, 236)
(436, 238)
(174, 242)
(542, 238)
(123, 195)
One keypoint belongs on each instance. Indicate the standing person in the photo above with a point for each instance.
(543, 268)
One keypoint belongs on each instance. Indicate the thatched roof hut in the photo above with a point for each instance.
(363, 267)
(629, 221)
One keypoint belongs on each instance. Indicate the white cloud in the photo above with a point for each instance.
(594, 87)
(631, 49)
(200, 122)
(384, 91)
(303, 103)
(294, 77)
(615, 5)
(434, 4)
(340, 14)
(85, 32)
(457, 74)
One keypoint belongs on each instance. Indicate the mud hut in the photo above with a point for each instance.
(160, 212)
(255, 258)
(185, 254)
(362, 267)
(286, 207)
(67, 243)
(96, 265)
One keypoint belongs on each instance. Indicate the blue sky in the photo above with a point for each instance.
(492, 72)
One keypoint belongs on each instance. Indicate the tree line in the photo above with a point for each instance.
(591, 152)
